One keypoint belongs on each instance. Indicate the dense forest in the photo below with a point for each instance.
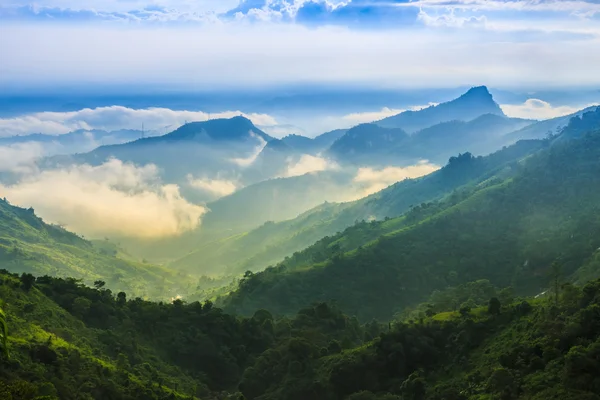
(63, 340)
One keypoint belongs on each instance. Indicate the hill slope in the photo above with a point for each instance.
(271, 242)
(27, 244)
(508, 232)
(66, 341)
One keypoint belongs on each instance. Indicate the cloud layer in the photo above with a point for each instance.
(277, 54)
(113, 199)
(115, 117)
(20, 157)
(373, 180)
(214, 187)
(538, 109)
(309, 164)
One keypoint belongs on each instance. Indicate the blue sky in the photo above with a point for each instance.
(202, 43)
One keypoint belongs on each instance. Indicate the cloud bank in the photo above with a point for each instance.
(373, 180)
(308, 164)
(247, 161)
(181, 57)
(20, 157)
(116, 117)
(214, 187)
(113, 199)
(538, 109)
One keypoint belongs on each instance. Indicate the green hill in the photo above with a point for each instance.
(271, 242)
(508, 231)
(28, 244)
(66, 341)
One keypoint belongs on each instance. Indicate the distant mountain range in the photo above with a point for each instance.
(371, 144)
(474, 103)
(80, 140)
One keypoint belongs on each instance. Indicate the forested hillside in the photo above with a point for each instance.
(66, 341)
(509, 231)
(28, 244)
(271, 242)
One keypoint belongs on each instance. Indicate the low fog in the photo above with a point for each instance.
(111, 199)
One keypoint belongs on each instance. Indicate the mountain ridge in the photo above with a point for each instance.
(473, 103)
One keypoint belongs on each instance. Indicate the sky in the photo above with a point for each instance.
(261, 43)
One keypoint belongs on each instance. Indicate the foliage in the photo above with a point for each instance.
(3, 333)
(345, 224)
(509, 233)
(29, 245)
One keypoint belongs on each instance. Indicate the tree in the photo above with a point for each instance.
(121, 298)
(494, 306)
(3, 333)
(414, 388)
(81, 306)
(27, 281)
(465, 310)
(555, 273)
(99, 284)
(501, 381)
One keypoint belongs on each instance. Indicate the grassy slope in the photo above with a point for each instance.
(27, 244)
(40, 330)
(270, 243)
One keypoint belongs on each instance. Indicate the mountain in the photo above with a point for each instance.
(325, 140)
(479, 136)
(273, 241)
(300, 143)
(28, 244)
(508, 231)
(273, 161)
(541, 129)
(580, 125)
(370, 144)
(74, 142)
(246, 209)
(219, 146)
(475, 102)
(366, 143)
(75, 137)
(220, 130)
(276, 200)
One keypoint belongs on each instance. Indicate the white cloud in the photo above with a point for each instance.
(215, 187)
(511, 5)
(120, 6)
(183, 57)
(309, 164)
(20, 157)
(538, 109)
(111, 199)
(115, 118)
(451, 20)
(247, 161)
(374, 180)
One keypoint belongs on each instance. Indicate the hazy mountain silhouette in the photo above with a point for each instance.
(475, 102)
